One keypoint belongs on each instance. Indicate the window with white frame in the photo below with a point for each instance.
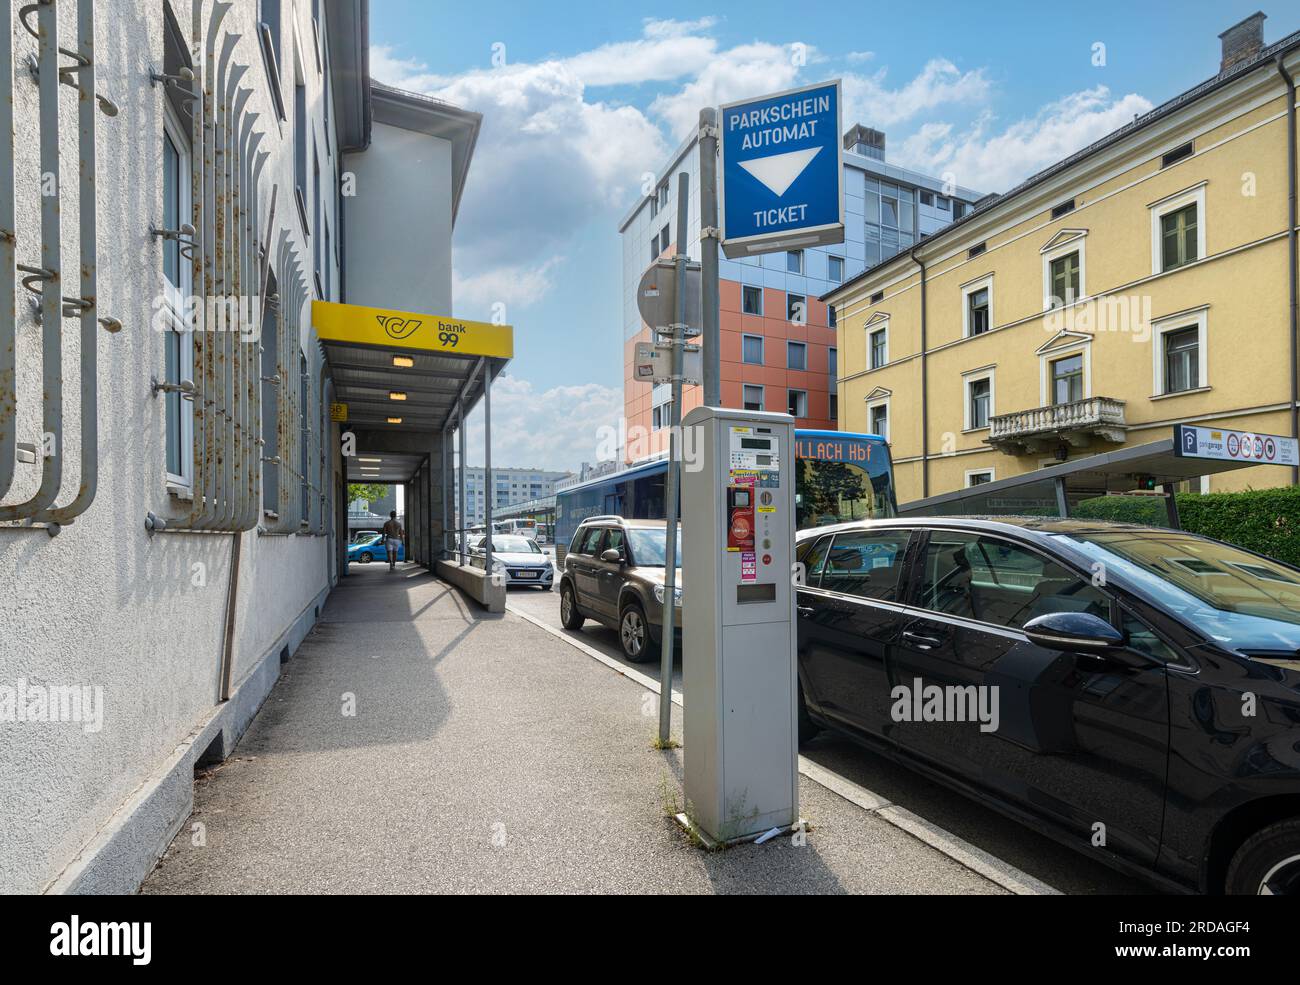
(878, 344)
(1065, 273)
(978, 477)
(752, 397)
(751, 347)
(1179, 353)
(1178, 229)
(178, 336)
(1065, 374)
(878, 418)
(797, 403)
(979, 399)
(977, 307)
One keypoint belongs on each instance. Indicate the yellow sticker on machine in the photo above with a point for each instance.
(338, 412)
(358, 325)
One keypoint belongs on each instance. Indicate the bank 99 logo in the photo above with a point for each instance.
(398, 327)
(449, 339)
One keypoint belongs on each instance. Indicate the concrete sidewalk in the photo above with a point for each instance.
(486, 755)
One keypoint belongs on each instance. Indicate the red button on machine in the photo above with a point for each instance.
(767, 558)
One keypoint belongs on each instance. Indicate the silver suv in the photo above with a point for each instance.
(614, 573)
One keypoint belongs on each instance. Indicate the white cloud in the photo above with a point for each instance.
(860, 56)
(746, 70)
(658, 59)
(558, 428)
(993, 161)
(548, 160)
(519, 285)
(867, 98)
(670, 28)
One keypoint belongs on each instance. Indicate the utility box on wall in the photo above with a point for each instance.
(738, 622)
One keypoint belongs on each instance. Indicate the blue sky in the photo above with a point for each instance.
(583, 97)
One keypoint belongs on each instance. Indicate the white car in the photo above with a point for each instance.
(518, 557)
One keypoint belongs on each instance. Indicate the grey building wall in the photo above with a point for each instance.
(401, 215)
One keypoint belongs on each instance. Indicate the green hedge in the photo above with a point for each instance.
(1263, 520)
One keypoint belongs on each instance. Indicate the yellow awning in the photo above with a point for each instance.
(354, 324)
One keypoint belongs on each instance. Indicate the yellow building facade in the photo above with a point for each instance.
(1143, 282)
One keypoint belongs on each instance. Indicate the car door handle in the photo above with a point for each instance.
(805, 610)
(921, 641)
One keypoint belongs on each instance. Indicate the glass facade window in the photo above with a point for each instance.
(794, 261)
(796, 309)
(835, 269)
(890, 214)
(1182, 362)
(832, 363)
(751, 300)
(752, 397)
(797, 403)
(796, 355)
(752, 349)
(1067, 379)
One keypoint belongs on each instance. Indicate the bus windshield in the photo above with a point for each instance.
(841, 478)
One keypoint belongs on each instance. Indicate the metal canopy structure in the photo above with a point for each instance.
(402, 383)
(1056, 489)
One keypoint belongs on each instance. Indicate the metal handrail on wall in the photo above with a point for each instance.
(46, 280)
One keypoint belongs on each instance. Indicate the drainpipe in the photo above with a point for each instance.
(925, 388)
(1291, 249)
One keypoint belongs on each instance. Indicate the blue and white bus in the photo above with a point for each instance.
(839, 476)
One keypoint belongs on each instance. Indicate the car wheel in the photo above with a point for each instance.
(570, 617)
(364, 558)
(1268, 864)
(634, 633)
(808, 729)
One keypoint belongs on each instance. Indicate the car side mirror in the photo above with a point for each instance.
(1079, 632)
(612, 556)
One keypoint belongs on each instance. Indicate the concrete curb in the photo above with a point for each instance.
(962, 852)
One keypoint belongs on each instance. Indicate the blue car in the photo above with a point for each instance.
(372, 549)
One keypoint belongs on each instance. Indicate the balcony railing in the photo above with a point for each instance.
(1075, 423)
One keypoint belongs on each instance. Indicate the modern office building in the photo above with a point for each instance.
(199, 222)
(509, 487)
(1146, 280)
(778, 342)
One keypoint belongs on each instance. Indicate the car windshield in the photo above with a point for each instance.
(649, 545)
(1235, 596)
(512, 544)
(367, 541)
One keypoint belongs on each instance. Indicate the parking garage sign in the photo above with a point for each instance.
(782, 182)
(1191, 441)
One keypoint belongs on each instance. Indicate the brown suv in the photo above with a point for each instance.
(614, 573)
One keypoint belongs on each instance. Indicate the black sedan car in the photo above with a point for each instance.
(1132, 691)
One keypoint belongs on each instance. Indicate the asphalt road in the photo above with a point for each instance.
(1063, 868)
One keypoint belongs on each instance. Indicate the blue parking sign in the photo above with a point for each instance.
(782, 182)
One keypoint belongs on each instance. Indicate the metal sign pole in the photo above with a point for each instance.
(709, 237)
(674, 468)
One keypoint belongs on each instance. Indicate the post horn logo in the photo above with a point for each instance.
(398, 327)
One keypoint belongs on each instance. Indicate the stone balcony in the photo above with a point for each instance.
(1045, 429)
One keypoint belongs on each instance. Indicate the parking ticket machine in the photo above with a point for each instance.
(738, 627)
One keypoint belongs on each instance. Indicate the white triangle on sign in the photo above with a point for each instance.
(779, 171)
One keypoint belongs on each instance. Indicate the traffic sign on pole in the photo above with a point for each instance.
(782, 180)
